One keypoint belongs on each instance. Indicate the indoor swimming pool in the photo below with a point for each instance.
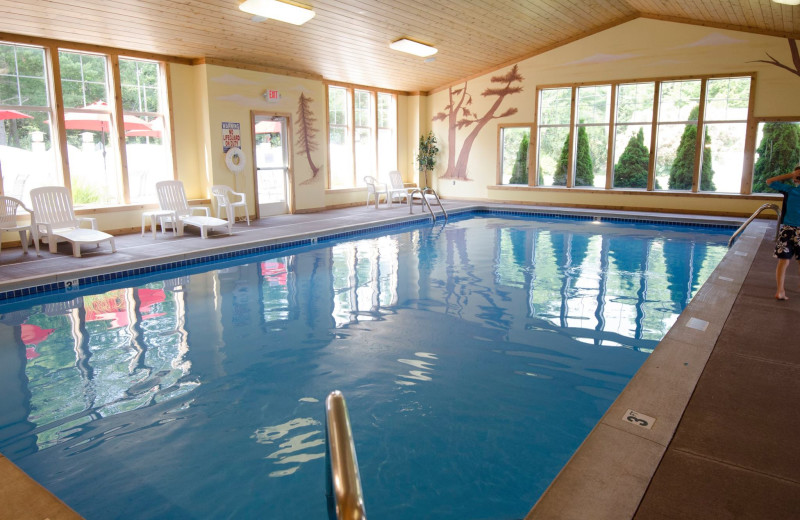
(475, 357)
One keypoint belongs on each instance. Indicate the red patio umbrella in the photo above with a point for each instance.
(13, 114)
(100, 121)
(268, 127)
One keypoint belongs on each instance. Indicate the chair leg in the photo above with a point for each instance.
(113, 245)
(76, 250)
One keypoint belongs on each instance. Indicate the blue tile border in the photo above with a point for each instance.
(60, 287)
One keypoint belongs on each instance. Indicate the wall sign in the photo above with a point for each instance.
(231, 137)
(272, 96)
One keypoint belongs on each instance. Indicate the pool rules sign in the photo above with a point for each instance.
(231, 136)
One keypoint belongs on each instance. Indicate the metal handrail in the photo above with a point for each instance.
(763, 207)
(343, 481)
(423, 192)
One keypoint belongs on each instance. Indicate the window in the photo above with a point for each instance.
(90, 135)
(591, 155)
(514, 143)
(777, 152)
(27, 156)
(32, 143)
(632, 134)
(148, 158)
(362, 135)
(573, 149)
(725, 123)
(555, 107)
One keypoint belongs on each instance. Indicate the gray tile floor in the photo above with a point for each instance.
(733, 454)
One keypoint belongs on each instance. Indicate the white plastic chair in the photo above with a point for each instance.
(172, 197)
(375, 190)
(223, 195)
(54, 220)
(397, 189)
(8, 220)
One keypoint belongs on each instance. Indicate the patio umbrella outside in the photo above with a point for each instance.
(13, 114)
(100, 122)
(268, 127)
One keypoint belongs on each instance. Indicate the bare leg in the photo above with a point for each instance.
(780, 277)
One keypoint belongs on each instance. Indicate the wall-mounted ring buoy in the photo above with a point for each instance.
(235, 160)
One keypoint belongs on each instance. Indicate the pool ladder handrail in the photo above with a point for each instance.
(343, 480)
(423, 192)
(773, 207)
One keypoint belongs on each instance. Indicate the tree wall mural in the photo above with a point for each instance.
(458, 115)
(795, 67)
(307, 133)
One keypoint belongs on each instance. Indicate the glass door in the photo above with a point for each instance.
(272, 164)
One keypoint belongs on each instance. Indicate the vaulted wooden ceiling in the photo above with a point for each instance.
(348, 40)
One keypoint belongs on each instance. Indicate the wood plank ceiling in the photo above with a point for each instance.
(348, 40)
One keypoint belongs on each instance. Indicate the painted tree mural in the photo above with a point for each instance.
(458, 115)
(307, 133)
(795, 68)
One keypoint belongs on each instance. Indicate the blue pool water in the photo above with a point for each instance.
(474, 358)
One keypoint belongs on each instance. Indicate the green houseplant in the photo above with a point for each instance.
(426, 156)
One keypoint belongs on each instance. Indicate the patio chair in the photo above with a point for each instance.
(375, 190)
(397, 189)
(223, 195)
(8, 220)
(54, 221)
(172, 197)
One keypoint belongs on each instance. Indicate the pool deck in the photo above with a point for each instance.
(723, 385)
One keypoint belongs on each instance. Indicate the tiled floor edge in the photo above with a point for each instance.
(573, 494)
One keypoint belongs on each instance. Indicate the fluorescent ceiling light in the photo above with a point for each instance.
(787, 2)
(281, 11)
(415, 48)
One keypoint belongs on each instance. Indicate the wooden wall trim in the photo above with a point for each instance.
(257, 68)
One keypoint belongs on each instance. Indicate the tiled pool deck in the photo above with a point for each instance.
(723, 385)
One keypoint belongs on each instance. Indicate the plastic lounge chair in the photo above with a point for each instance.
(397, 189)
(8, 220)
(54, 220)
(223, 195)
(172, 197)
(375, 190)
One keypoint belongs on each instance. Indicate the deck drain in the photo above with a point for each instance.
(725, 279)
(639, 419)
(740, 253)
(697, 324)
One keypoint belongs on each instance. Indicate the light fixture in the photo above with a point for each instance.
(412, 47)
(282, 11)
(787, 2)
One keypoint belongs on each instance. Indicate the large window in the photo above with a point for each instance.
(777, 152)
(700, 132)
(362, 135)
(514, 142)
(27, 155)
(96, 170)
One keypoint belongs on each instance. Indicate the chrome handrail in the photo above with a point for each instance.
(343, 481)
(423, 192)
(763, 207)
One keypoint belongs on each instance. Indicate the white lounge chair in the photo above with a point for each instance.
(397, 189)
(8, 220)
(172, 197)
(54, 220)
(223, 195)
(375, 190)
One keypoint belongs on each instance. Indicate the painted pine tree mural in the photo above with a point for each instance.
(307, 133)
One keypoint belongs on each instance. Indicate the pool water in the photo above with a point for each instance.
(475, 357)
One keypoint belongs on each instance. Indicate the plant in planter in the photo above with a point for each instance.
(426, 156)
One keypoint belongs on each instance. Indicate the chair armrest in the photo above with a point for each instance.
(90, 220)
(238, 194)
(200, 208)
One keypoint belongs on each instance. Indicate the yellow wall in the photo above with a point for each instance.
(636, 50)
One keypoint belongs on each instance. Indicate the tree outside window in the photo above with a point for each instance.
(777, 152)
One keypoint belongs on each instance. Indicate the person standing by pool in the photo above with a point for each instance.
(788, 242)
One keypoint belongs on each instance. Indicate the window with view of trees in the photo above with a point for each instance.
(27, 154)
(30, 153)
(148, 158)
(681, 160)
(514, 154)
(362, 136)
(777, 152)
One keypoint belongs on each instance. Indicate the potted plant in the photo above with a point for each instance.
(426, 156)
